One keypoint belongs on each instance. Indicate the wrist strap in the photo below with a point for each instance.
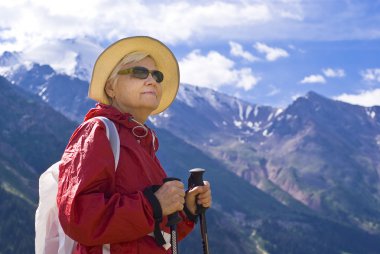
(157, 213)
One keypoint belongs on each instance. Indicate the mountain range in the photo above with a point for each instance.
(303, 179)
(317, 152)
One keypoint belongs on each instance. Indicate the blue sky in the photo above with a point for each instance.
(265, 52)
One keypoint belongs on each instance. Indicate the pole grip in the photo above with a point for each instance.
(196, 179)
(174, 218)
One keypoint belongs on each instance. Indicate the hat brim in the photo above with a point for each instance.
(111, 56)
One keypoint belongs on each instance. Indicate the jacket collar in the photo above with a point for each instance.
(147, 139)
(113, 114)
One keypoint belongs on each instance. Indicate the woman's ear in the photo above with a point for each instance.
(110, 89)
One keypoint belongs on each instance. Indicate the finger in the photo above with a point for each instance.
(204, 196)
(179, 184)
(197, 190)
(175, 189)
(208, 205)
(179, 205)
(182, 193)
(172, 183)
(204, 200)
(204, 192)
(180, 199)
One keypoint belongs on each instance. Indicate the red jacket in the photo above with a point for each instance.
(99, 206)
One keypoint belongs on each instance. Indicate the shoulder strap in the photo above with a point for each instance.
(113, 137)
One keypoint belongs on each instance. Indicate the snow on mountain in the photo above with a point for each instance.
(220, 112)
(73, 57)
(11, 62)
(66, 94)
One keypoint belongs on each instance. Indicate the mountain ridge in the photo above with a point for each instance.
(237, 226)
(317, 157)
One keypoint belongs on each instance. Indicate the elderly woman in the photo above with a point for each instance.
(125, 210)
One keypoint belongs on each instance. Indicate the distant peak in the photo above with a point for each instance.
(42, 68)
(314, 95)
(8, 58)
(310, 101)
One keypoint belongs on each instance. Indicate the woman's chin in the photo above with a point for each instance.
(151, 106)
(152, 103)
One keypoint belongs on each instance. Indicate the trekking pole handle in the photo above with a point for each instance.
(197, 176)
(173, 218)
(196, 179)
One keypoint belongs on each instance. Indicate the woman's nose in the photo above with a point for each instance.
(150, 80)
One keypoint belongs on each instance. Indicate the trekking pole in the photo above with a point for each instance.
(196, 179)
(173, 220)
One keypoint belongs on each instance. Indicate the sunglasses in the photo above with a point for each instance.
(142, 73)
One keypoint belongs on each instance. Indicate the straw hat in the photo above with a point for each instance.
(110, 57)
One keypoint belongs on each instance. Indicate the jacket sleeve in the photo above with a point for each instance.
(89, 211)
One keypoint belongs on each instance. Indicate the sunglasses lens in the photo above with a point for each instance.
(140, 72)
(143, 73)
(158, 76)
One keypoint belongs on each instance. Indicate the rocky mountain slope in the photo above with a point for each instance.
(317, 152)
(32, 136)
(317, 158)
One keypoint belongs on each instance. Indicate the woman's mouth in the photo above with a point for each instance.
(150, 93)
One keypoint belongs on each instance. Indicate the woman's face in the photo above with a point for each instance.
(138, 97)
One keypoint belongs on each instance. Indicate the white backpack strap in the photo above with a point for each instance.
(106, 249)
(113, 137)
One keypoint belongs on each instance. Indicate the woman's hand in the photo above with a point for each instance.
(171, 196)
(200, 195)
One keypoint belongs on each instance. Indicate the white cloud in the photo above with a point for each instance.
(365, 98)
(290, 15)
(34, 25)
(334, 73)
(271, 54)
(292, 9)
(237, 50)
(371, 75)
(214, 70)
(40, 20)
(24, 23)
(313, 79)
(245, 79)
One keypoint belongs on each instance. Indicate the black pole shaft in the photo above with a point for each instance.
(202, 219)
(196, 179)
